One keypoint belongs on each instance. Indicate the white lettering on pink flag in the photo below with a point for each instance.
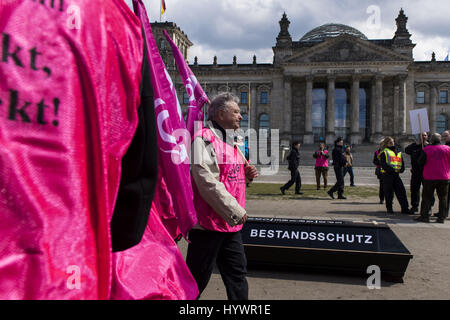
(197, 97)
(174, 148)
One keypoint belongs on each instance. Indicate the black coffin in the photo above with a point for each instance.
(325, 246)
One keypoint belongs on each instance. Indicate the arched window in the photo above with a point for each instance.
(264, 122)
(244, 121)
(441, 123)
(162, 44)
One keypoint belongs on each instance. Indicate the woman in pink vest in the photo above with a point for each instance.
(220, 175)
(321, 168)
(436, 174)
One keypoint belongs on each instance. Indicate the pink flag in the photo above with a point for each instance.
(197, 97)
(154, 269)
(173, 139)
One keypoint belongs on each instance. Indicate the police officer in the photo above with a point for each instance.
(392, 164)
(414, 150)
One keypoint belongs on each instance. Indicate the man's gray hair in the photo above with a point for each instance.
(436, 138)
(220, 102)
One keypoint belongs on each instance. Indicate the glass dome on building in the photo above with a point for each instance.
(331, 30)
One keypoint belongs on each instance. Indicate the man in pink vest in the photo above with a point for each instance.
(220, 175)
(436, 175)
(321, 167)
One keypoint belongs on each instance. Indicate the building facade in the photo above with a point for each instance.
(331, 82)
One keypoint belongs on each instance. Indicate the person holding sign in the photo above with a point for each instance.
(392, 165)
(436, 174)
(414, 150)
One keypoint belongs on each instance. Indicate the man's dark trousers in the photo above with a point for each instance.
(441, 188)
(295, 178)
(392, 183)
(226, 249)
(416, 182)
(339, 186)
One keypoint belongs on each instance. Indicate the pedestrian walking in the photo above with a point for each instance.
(349, 166)
(220, 174)
(294, 163)
(339, 163)
(321, 167)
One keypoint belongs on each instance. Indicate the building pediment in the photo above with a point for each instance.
(345, 48)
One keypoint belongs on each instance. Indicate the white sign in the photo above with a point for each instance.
(419, 121)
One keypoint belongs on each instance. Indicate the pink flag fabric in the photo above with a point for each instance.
(154, 269)
(173, 139)
(197, 97)
(69, 94)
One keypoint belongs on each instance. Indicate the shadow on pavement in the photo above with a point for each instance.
(310, 275)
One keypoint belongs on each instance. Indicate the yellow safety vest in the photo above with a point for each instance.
(393, 160)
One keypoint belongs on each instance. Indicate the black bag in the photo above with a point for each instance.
(378, 173)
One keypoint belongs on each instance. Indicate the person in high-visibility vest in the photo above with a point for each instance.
(392, 165)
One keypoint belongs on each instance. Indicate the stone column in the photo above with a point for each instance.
(330, 116)
(373, 113)
(253, 109)
(379, 108)
(402, 105)
(433, 105)
(287, 112)
(355, 137)
(396, 122)
(308, 138)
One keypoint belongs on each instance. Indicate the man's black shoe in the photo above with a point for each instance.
(414, 210)
(342, 198)
(282, 191)
(408, 212)
(422, 219)
(439, 220)
(390, 211)
(299, 193)
(331, 195)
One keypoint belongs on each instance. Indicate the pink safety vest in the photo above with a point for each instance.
(69, 93)
(232, 175)
(322, 161)
(438, 163)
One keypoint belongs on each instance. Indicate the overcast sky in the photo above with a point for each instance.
(245, 28)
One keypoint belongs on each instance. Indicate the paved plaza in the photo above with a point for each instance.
(426, 276)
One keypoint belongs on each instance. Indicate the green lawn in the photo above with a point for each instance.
(272, 191)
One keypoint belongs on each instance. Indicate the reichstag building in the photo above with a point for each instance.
(333, 81)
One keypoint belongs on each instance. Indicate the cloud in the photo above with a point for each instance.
(234, 27)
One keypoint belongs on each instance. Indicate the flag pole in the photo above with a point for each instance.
(160, 10)
(249, 114)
